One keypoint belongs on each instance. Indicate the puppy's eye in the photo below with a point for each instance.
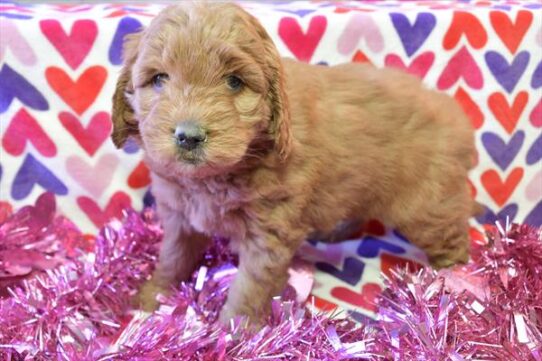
(158, 80)
(234, 82)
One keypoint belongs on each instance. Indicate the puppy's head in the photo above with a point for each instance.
(200, 86)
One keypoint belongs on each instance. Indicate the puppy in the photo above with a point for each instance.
(267, 151)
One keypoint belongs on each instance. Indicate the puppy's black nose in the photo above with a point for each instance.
(189, 135)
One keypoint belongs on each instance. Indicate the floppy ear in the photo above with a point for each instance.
(280, 128)
(122, 115)
(280, 107)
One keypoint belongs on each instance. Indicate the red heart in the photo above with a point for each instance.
(22, 128)
(364, 299)
(461, 65)
(360, 57)
(301, 44)
(419, 66)
(536, 115)
(6, 210)
(91, 137)
(498, 190)
(464, 23)
(324, 305)
(79, 95)
(389, 262)
(140, 176)
(470, 108)
(508, 115)
(510, 33)
(74, 47)
(99, 217)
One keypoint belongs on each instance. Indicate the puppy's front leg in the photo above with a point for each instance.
(181, 249)
(263, 272)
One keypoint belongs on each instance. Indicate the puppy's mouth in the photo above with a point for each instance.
(193, 157)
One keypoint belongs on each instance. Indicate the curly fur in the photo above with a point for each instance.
(298, 150)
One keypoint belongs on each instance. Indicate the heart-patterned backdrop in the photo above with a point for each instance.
(59, 64)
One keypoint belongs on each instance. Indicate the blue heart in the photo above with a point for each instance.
(126, 26)
(535, 152)
(503, 154)
(15, 86)
(32, 172)
(370, 247)
(413, 36)
(351, 272)
(536, 81)
(400, 236)
(507, 75)
(535, 217)
(489, 217)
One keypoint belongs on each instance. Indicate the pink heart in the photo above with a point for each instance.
(361, 26)
(75, 46)
(461, 65)
(91, 137)
(302, 44)
(12, 39)
(419, 66)
(24, 128)
(536, 115)
(118, 202)
(94, 179)
(534, 188)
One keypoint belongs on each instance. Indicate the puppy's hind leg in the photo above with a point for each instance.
(439, 227)
(444, 243)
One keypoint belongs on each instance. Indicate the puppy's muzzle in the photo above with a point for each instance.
(190, 136)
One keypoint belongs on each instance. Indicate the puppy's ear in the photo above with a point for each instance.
(280, 107)
(122, 115)
(280, 128)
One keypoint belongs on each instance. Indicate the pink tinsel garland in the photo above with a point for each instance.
(70, 300)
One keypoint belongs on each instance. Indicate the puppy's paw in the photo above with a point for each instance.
(147, 296)
(451, 258)
(251, 321)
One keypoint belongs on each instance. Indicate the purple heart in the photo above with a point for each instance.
(535, 152)
(300, 12)
(126, 26)
(16, 16)
(148, 199)
(351, 272)
(413, 36)
(489, 217)
(535, 217)
(507, 75)
(536, 81)
(32, 172)
(503, 154)
(360, 317)
(15, 86)
(370, 247)
(130, 146)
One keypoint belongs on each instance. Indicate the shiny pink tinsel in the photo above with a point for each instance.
(67, 302)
